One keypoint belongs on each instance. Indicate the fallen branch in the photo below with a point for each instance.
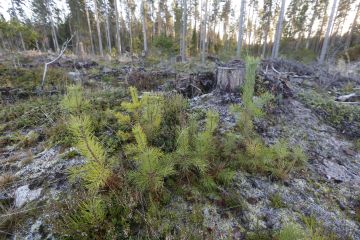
(348, 98)
(64, 47)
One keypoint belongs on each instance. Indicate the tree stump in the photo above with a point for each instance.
(230, 77)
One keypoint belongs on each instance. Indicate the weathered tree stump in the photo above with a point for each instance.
(230, 77)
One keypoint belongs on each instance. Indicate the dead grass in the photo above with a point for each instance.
(12, 218)
(28, 159)
(6, 179)
(13, 158)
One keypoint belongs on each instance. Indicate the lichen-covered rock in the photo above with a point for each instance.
(24, 195)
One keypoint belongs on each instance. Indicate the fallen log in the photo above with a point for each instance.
(352, 97)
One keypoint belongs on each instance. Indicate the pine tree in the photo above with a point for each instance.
(147, 111)
(96, 169)
(151, 165)
(74, 101)
(195, 150)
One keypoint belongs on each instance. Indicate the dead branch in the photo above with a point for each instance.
(63, 49)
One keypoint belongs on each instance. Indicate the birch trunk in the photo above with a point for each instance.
(276, 47)
(117, 19)
(153, 18)
(98, 28)
(130, 32)
(90, 31)
(353, 26)
(203, 31)
(53, 30)
(241, 28)
(144, 27)
(328, 31)
(183, 32)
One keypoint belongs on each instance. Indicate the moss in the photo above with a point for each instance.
(343, 117)
(30, 113)
(259, 235)
(29, 79)
(351, 54)
(291, 232)
(316, 230)
(357, 145)
(70, 154)
(302, 55)
(276, 201)
(357, 209)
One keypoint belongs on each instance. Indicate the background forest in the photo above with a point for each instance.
(301, 29)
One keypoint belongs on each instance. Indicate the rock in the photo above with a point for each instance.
(106, 70)
(336, 172)
(37, 232)
(220, 227)
(74, 76)
(24, 195)
(350, 152)
(85, 64)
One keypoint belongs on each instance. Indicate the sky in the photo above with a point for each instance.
(6, 4)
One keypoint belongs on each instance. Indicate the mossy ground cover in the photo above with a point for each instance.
(29, 79)
(147, 150)
(143, 153)
(342, 116)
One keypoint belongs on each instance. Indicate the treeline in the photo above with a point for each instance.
(189, 28)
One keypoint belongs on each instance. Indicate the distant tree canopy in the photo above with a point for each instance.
(189, 28)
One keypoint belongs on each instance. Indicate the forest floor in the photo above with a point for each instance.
(324, 196)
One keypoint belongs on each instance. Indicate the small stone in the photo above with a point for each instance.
(349, 152)
(24, 195)
(74, 76)
(341, 205)
(106, 70)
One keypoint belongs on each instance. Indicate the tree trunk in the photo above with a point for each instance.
(241, 28)
(89, 26)
(37, 45)
(298, 41)
(130, 33)
(276, 47)
(153, 18)
(108, 35)
(53, 30)
(144, 27)
(351, 31)
(266, 33)
(251, 25)
(231, 76)
(328, 31)
(98, 28)
(2, 41)
(117, 19)
(203, 31)
(183, 31)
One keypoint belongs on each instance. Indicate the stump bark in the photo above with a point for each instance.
(230, 77)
